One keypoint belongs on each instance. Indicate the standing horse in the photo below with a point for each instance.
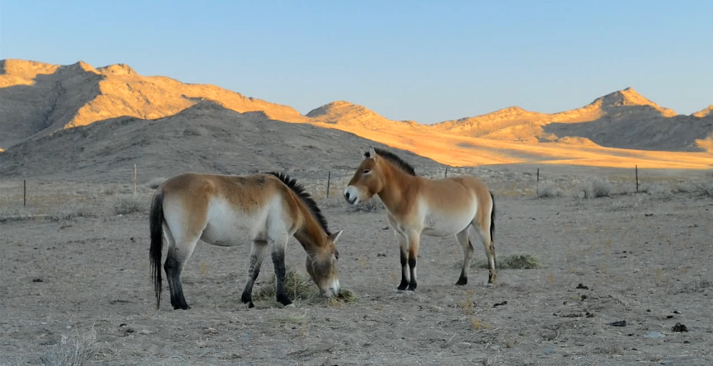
(417, 205)
(264, 209)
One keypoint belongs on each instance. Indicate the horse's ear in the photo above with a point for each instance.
(372, 152)
(363, 154)
(334, 237)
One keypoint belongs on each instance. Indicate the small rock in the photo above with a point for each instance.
(676, 312)
(144, 331)
(669, 316)
(653, 335)
(548, 350)
(210, 330)
(582, 287)
(37, 280)
(679, 328)
(618, 323)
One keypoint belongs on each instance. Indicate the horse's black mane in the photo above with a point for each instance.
(406, 167)
(305, 197)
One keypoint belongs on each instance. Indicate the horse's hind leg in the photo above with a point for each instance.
(257, 253)
(483, 229)
(467, 247)
(179, 250)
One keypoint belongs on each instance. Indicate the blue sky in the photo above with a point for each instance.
(427, 61)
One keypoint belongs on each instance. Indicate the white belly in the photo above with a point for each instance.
(442, 223)
(228, 226)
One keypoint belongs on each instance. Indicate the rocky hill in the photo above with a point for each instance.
(205, 137)
(38, 100)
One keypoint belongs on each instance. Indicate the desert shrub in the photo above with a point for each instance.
(656, 189)
(74, 350)
(548, 190)
(705, 188)
(155, 182)
(125, 205)
(596, 188)
(73, 211)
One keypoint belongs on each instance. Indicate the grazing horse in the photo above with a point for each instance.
(224, 210)
(417, 205)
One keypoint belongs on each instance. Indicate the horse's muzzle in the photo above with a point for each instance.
(351, 194)
(332, 291)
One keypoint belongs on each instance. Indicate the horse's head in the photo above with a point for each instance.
(367, 181)
(322, 265)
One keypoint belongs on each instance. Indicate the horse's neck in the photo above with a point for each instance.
(309, 233)
(396, 184)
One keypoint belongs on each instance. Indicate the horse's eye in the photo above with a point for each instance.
(336, 254)
(366, 171)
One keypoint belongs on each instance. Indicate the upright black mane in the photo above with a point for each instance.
(305, 197)
(406, 167)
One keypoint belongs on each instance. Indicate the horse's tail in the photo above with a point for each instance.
(156, 224)
(492, 218)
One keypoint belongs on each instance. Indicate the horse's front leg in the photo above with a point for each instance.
(278, 260)
(403, 255)
(413, 238)
(257, 253)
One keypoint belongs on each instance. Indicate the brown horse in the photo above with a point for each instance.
(417, 205)
(263, 209)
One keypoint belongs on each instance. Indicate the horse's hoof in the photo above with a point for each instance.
(462, 281)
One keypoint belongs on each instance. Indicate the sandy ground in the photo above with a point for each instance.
(644, 259)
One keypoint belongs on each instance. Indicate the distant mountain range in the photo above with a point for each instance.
(38, 99)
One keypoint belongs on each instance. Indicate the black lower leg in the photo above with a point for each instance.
(173, 274)
(492, 275)
(404, 263)
(412, 264)
(253, 272)
(463, 279)
(278, 259)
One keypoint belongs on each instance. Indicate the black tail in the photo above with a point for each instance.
(492, 219)
(156, 223)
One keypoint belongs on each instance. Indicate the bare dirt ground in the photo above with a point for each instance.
(643, 258)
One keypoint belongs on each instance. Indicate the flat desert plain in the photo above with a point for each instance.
(74, 269)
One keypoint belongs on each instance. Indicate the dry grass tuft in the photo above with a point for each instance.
(301, 287)
(74, 350)
(516, 261)
(125, 205)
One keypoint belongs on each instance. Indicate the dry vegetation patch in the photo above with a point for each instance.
(515, 261)
(301, 287)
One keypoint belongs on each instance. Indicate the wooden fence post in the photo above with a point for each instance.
(134, 179)
(446, 172)
(24, 193)
(636, 169)
(537, 187)
(329, 179)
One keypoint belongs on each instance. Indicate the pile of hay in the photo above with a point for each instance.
(516, 261)
(301, 287)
